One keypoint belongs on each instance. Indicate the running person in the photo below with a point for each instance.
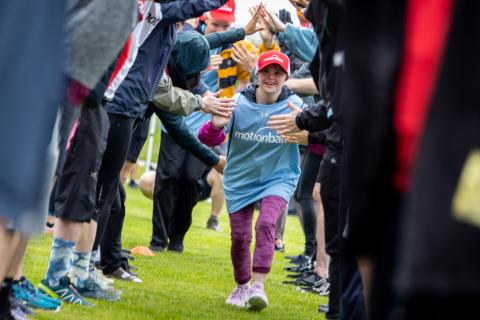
(261, 167)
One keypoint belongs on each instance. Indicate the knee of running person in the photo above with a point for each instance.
(147, 184)
(240, 237)
(265, 226)
(214, 177)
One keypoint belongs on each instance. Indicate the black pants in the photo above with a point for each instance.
(177, 190)
(303, 195)
(330, 193)
(118, 144)
(111, 242)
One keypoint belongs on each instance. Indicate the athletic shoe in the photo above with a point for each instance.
(322, 287)
(133, 184)
(279, 248)
(213, 224)
(18, 310)
(157, 248)
(65, 291)
(257, 298)
(31, 298)
(17, 314)
(176, 246)
(6, 315)
(121, 274)
(239, 296)
(104, 282)
(29, 286)
(92, 289)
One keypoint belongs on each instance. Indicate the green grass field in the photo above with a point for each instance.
(192, 285)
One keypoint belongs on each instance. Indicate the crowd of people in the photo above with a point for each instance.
(363, 116)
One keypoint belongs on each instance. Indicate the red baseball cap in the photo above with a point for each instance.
(274, 57)
(225, 12)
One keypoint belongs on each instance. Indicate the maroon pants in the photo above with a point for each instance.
(271, 207)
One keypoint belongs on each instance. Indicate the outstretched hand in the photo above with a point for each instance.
(265, 33)
(252, 26)
(297, 138)
(273, 23)
(242, 56)
(217, 106)
(285, 124)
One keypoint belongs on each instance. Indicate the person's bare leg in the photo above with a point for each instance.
(214, 179)
(9, 243)
(133, 172)
(259, 277)
(17, 263)
(322, 257)
(147, 184)
(68, 230)
(87, 237)
(125, 171)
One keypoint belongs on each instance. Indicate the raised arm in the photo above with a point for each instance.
(179, 10)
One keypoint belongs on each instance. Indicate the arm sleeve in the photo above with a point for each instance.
(263, 49)
(175, 100)
(179, 10)
(302, 42)
(218, 39)
(179, 131)
(210, 135)
(314, 118)
(316, 137)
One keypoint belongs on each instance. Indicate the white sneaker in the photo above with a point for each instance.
(239, 296)
(257, 298)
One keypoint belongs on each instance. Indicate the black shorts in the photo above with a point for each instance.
(139, 136)
(77, 183)
(205, 188)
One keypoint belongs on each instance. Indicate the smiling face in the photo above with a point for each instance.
(271, 79)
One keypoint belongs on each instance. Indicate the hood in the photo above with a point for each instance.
(191, 53)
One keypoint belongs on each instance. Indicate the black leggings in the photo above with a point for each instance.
(303, 195)
(118, 144)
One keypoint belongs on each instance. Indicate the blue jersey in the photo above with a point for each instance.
(260, 163)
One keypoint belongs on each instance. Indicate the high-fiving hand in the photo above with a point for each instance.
(217, 106)
(285, 124)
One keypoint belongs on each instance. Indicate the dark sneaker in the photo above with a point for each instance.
(176, 246)
(321, 287)
(94, 290)
(64, 291)
(133, 184)
(157, 248)
(213, 224)
(6, 315)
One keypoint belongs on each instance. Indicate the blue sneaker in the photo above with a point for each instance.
(29, 286)
(65, 291)
(31, 300)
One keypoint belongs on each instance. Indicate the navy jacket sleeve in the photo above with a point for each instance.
(179, 10)
(218, 39)
(179, 131)
(314, 118)
(317, 137)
